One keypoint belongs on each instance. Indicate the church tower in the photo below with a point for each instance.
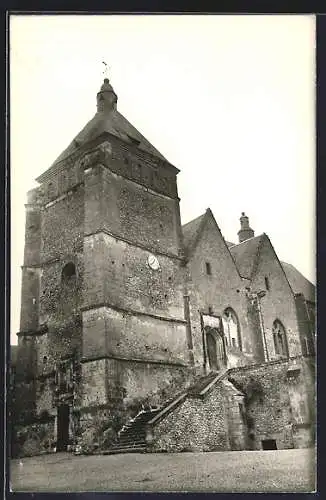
(103, 277)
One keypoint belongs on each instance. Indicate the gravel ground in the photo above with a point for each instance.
(244, 471)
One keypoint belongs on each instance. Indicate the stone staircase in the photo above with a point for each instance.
(132, 436)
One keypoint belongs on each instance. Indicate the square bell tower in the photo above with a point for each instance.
(103, 294)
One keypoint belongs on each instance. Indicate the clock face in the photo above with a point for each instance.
(153, 262)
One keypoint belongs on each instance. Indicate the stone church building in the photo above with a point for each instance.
(140, 334)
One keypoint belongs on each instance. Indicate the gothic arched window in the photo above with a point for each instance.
(231, 328)
(280, 340)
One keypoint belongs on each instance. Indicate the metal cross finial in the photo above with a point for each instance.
(105, 71)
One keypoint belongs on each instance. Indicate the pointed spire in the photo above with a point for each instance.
(245, 230)
(106, 98)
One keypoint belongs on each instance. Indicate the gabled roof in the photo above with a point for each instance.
(191, 231)
(298, 282)
(114, 123)
(245, 255)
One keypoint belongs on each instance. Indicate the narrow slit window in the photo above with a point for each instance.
(266, 283)
(208, 268)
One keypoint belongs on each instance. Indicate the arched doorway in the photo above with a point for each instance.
(215, 349)
(231, 328)
(280, 340)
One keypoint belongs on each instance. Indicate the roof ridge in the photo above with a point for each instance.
(248, 239)
(193, 220)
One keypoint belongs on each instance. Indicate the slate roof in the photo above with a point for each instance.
(190, 232)
(298, 282)
(245, 255)
(114, 123)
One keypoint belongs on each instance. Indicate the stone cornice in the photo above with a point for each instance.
(133, 243)
(67, 162)
(132, 312)
(90, 359)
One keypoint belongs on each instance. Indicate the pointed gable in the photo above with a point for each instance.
(246, 255)
(199, 228)
(191, 231)
(298, 282)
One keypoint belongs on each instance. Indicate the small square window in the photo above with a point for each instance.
(208, 268)
(210, 310)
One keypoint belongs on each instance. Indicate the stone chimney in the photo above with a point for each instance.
(245, 231)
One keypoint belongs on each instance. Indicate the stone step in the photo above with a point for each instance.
(130, 444)
(134, 437)
(137, 424)
(140, 444)
(133, 431)
(144, 419)
(115, 451)
(133, 434)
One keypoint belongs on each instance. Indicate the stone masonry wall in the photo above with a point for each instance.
(277, 401)
(108, 332)
(193, 427)
(278, 302)
(113, 391)
(118, 273)
(62, 226)
(63, 342)
(130, 382)
(30, 270)
(34, 439)
(94, 380)
(209, 424)
(306, 326)
(126, 209)
(152, 383)
(223, 288)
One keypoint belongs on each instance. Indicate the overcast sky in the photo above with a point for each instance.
(229, 100)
